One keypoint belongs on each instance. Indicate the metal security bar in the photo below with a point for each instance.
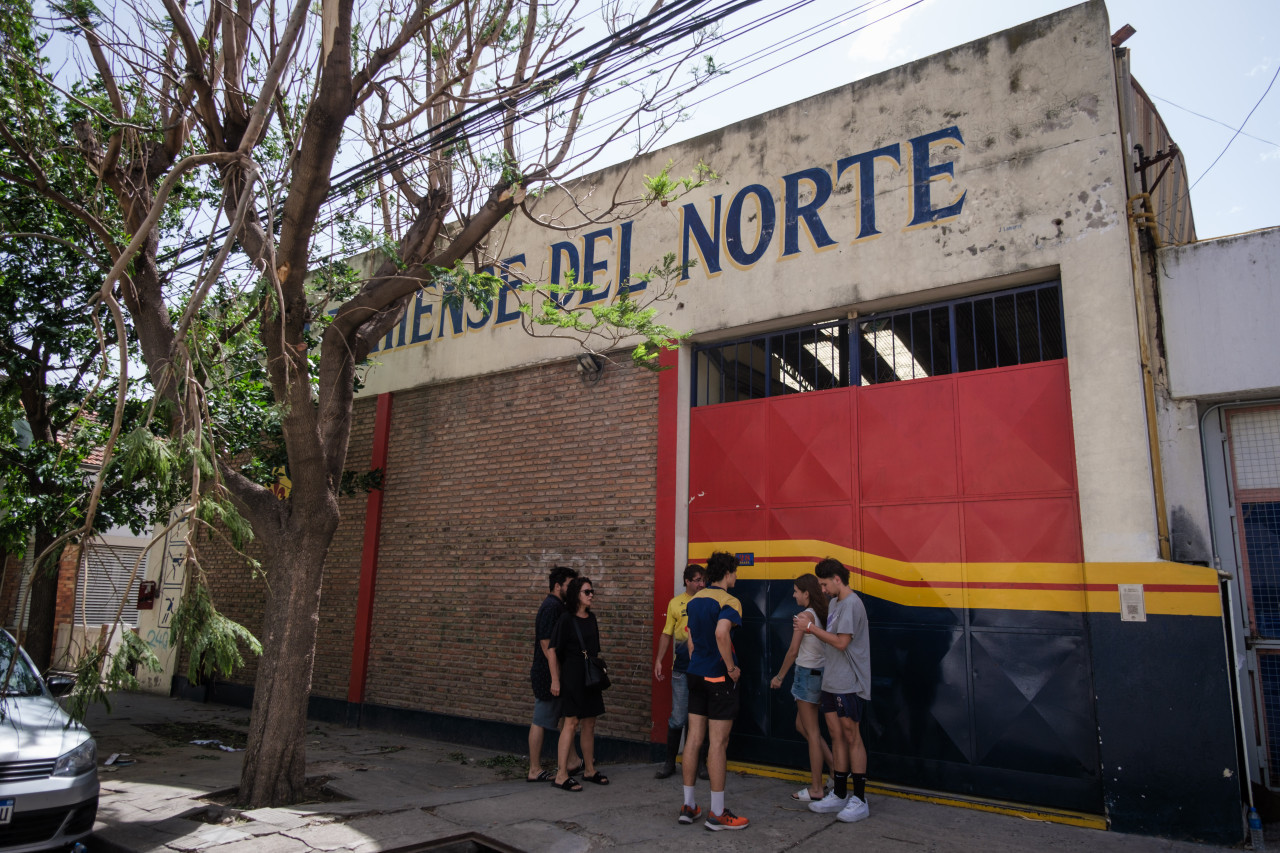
(1011, 327)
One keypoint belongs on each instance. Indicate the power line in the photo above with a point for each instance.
(1215, 121)
(1238, 130)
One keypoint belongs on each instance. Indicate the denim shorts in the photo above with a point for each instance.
(806, 685)
(546, 713)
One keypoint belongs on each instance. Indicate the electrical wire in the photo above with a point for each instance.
(479, 120)
(1239, 130)
(1215, 121)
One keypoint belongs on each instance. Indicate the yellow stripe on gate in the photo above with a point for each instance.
(1168, 588)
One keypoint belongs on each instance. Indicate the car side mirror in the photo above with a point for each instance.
(59, 684)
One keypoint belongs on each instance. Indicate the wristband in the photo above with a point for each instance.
(808, 627)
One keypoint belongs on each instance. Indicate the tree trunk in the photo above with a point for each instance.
(38, 636)
(275, 759)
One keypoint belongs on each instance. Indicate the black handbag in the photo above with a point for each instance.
(595, 670)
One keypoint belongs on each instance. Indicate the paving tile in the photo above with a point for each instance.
(278, 818)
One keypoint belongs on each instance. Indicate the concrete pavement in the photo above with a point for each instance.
(408, 792)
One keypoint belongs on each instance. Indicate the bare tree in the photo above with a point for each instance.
(450, 117)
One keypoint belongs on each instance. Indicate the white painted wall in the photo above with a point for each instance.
(1040, 169)
(1220, 300)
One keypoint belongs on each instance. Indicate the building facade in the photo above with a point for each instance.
(921, 311)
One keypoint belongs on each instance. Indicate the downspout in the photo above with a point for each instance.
(1148, 380)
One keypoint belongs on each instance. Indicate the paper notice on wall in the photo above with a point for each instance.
(1133, 607)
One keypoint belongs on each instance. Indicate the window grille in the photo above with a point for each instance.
(975, 333)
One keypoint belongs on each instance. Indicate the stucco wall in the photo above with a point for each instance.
(1000, 161)
(1219, 302)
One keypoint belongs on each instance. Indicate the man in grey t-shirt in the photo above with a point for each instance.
(846, 689)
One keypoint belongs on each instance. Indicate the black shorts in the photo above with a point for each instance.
(849, 705)
(715, 700)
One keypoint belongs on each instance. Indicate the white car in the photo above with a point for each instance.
(48, 762)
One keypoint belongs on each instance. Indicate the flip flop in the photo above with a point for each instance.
(569, 784)
(803, 796)
(574, 771)
(596, 778)
(544, 776)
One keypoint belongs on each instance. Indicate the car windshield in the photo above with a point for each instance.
(22, 680)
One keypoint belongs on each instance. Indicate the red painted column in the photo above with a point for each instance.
(664, 530)
(369, 556)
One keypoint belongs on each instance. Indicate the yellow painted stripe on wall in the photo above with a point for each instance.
(1174, 589)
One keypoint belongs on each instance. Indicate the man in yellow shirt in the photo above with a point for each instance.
(675, 632)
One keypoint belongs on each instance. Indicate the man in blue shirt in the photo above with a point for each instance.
(713, 689)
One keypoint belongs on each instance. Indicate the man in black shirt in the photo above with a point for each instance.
(546, 706)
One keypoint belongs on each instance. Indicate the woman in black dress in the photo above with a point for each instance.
(579, 704)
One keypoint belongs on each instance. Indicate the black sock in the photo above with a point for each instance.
(860, 785)
(842, 784)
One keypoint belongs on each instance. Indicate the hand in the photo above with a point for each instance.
(776, 682)
(657, 669)
(801, 621)
(735, 673)
(555, 687)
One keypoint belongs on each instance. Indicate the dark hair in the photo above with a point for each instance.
(575, 592)
(719, 564)
(830, 568)
(817, 598)
(691, 571)
(559, 575)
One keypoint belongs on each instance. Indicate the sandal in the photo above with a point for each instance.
(569, 784)
(596, 778)
(803, 796)
(544, 776)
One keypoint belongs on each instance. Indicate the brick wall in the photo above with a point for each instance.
(491, 482)
(68, 577)
(9, 581)
(241, 596)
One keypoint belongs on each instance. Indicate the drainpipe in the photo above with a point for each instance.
(1148, 380)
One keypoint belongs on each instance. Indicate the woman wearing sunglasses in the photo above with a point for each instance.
(577, 632)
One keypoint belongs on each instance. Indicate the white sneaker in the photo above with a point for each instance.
(828, 804)
(855, 810)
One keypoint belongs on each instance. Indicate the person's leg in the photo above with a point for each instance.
(587, 742)
(567, 730)
(855, 808)
(535, 750)
(837, 799)
(676, 722)
(694, 737)
(839, 744)
(807, 725)
(718, 744)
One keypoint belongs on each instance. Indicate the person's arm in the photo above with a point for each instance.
(838, 641)
(725, 645)
(664, 646)
(797, 634)
(553, 663)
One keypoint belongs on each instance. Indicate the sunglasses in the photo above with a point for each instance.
(588, 592)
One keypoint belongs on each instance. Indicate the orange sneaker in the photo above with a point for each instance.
(725, 820)
(689, 815)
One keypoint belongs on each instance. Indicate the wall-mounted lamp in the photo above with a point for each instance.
(590, 366)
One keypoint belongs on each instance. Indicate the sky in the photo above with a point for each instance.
(1214, 59)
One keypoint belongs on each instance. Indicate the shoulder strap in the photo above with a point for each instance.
(577, 627)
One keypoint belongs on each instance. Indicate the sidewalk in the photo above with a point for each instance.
(405, 791)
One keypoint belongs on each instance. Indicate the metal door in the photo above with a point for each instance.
(953, 501)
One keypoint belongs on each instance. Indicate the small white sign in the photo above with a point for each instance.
(1133, 607)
